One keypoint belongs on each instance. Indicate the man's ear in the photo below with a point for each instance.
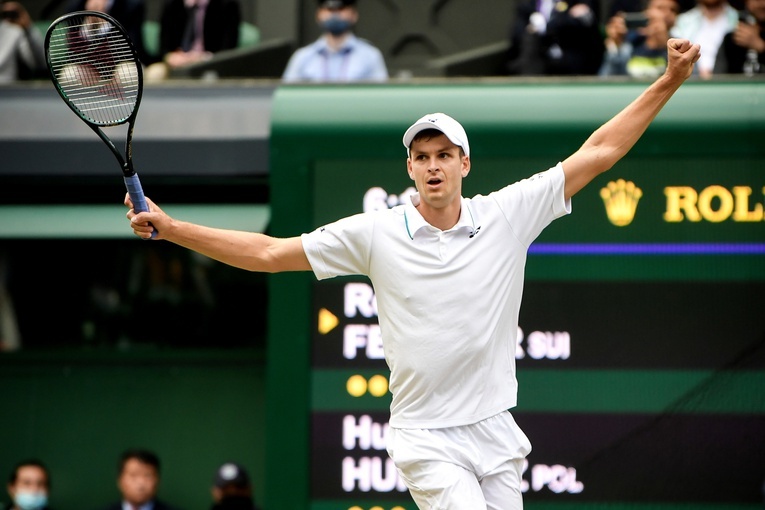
(409, 168)
(465, 166)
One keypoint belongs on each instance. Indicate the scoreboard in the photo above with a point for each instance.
(641, 345)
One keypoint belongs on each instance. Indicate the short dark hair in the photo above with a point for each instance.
(336, 4)
(29, 463)
(139, 454)
(427, 134)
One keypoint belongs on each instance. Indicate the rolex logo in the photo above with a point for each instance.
(621, 198)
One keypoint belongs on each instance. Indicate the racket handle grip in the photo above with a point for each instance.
(133, 185)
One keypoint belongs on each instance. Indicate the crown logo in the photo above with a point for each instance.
(621, 199)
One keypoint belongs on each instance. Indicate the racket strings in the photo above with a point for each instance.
(95, 68)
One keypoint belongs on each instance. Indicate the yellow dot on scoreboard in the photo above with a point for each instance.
(355, 508)
(398, 508)
(378, 385)
(356, 385)
(376, 508)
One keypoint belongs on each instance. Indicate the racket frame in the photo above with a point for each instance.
(132, 182)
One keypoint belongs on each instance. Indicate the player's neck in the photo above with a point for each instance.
(443, 218)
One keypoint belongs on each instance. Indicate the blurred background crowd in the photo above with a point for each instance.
(358, 40)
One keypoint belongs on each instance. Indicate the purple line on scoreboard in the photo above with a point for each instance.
(647, 249)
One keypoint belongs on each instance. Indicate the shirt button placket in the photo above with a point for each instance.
(441, 244)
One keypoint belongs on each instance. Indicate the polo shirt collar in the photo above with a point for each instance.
(413, 220)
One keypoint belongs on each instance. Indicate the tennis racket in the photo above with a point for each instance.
(96, 71)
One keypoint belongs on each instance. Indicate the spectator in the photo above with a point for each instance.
(640, 52)
(706, 25)
(553, 37)
(22, 55)
(338, 55)
(193, 31)
(28, 486)
(138, 480)
(232, 489)
(131, 14)
(743, 50)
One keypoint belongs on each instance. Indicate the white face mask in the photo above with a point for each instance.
(31, 500)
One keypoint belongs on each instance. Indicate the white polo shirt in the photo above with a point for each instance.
(448, 301)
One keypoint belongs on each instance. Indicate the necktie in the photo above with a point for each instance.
(189, 33)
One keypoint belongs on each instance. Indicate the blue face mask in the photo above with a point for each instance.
(31, 500)
(336, 25)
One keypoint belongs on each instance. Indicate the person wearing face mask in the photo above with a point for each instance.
(28, 486)
(338, 55)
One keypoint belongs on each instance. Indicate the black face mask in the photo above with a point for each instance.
(336, 25)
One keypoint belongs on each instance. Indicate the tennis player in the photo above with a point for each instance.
(448, 276)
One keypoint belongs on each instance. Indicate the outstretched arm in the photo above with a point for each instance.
(245, 250)
(610, 142)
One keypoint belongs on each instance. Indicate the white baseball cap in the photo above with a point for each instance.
(442, 122)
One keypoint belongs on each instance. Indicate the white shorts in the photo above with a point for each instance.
(471, 467)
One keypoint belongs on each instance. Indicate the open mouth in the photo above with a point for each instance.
(433, 181)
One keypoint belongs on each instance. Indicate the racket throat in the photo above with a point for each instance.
(127, 169)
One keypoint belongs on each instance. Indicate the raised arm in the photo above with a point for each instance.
(246, 250)
(611, 141)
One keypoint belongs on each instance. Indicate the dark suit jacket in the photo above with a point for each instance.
(235, 503)
(579, 40)
(731, 56)
(221, 26)
(158, 505)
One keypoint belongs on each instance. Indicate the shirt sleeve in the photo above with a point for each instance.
(33, 49)
(532, 204)
(340, 248)
(294, 64)
(379, 69)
